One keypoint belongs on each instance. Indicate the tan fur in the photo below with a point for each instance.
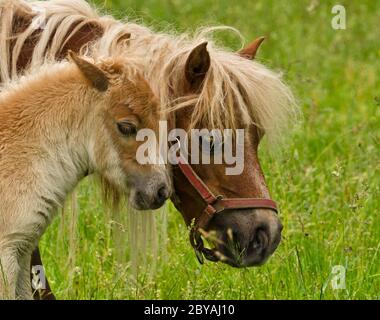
(236, 92)
(55, 128)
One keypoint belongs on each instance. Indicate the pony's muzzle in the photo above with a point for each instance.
(245, 238)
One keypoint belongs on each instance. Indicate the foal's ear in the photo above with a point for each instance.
(95, 75)
(197, 65)
(249, 52)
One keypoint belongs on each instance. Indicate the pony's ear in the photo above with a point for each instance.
(93, 74)
(197, 65)
(249, 52)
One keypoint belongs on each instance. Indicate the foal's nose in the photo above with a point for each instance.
(150, 197)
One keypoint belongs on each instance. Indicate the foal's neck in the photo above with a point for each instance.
(55, 116)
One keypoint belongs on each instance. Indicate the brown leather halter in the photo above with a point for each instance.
(213, 205)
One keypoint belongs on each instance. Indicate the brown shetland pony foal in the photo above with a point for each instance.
(58, 124)
(199, 84)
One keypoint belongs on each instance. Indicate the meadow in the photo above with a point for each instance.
(326, 177)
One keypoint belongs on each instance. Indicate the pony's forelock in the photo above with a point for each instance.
(236, 92)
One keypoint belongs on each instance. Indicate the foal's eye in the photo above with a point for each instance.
(127, 128)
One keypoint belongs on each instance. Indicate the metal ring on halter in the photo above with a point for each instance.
(178, 151)
(179, 143)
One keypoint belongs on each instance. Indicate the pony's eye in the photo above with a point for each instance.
(127, 128)
(210, 144)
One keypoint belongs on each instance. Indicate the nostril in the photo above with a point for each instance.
(162, 194)
(259, 243)
(139, 197)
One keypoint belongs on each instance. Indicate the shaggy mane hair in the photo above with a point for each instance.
(236, 92)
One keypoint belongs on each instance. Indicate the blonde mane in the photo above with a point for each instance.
(236, 92)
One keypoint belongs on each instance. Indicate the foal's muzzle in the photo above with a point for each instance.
(147, 200)
(151, 191)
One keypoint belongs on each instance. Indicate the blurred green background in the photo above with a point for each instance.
(326, 179)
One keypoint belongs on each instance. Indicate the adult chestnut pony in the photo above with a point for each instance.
(200, 86)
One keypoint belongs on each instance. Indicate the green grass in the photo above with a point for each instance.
(326, 180)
